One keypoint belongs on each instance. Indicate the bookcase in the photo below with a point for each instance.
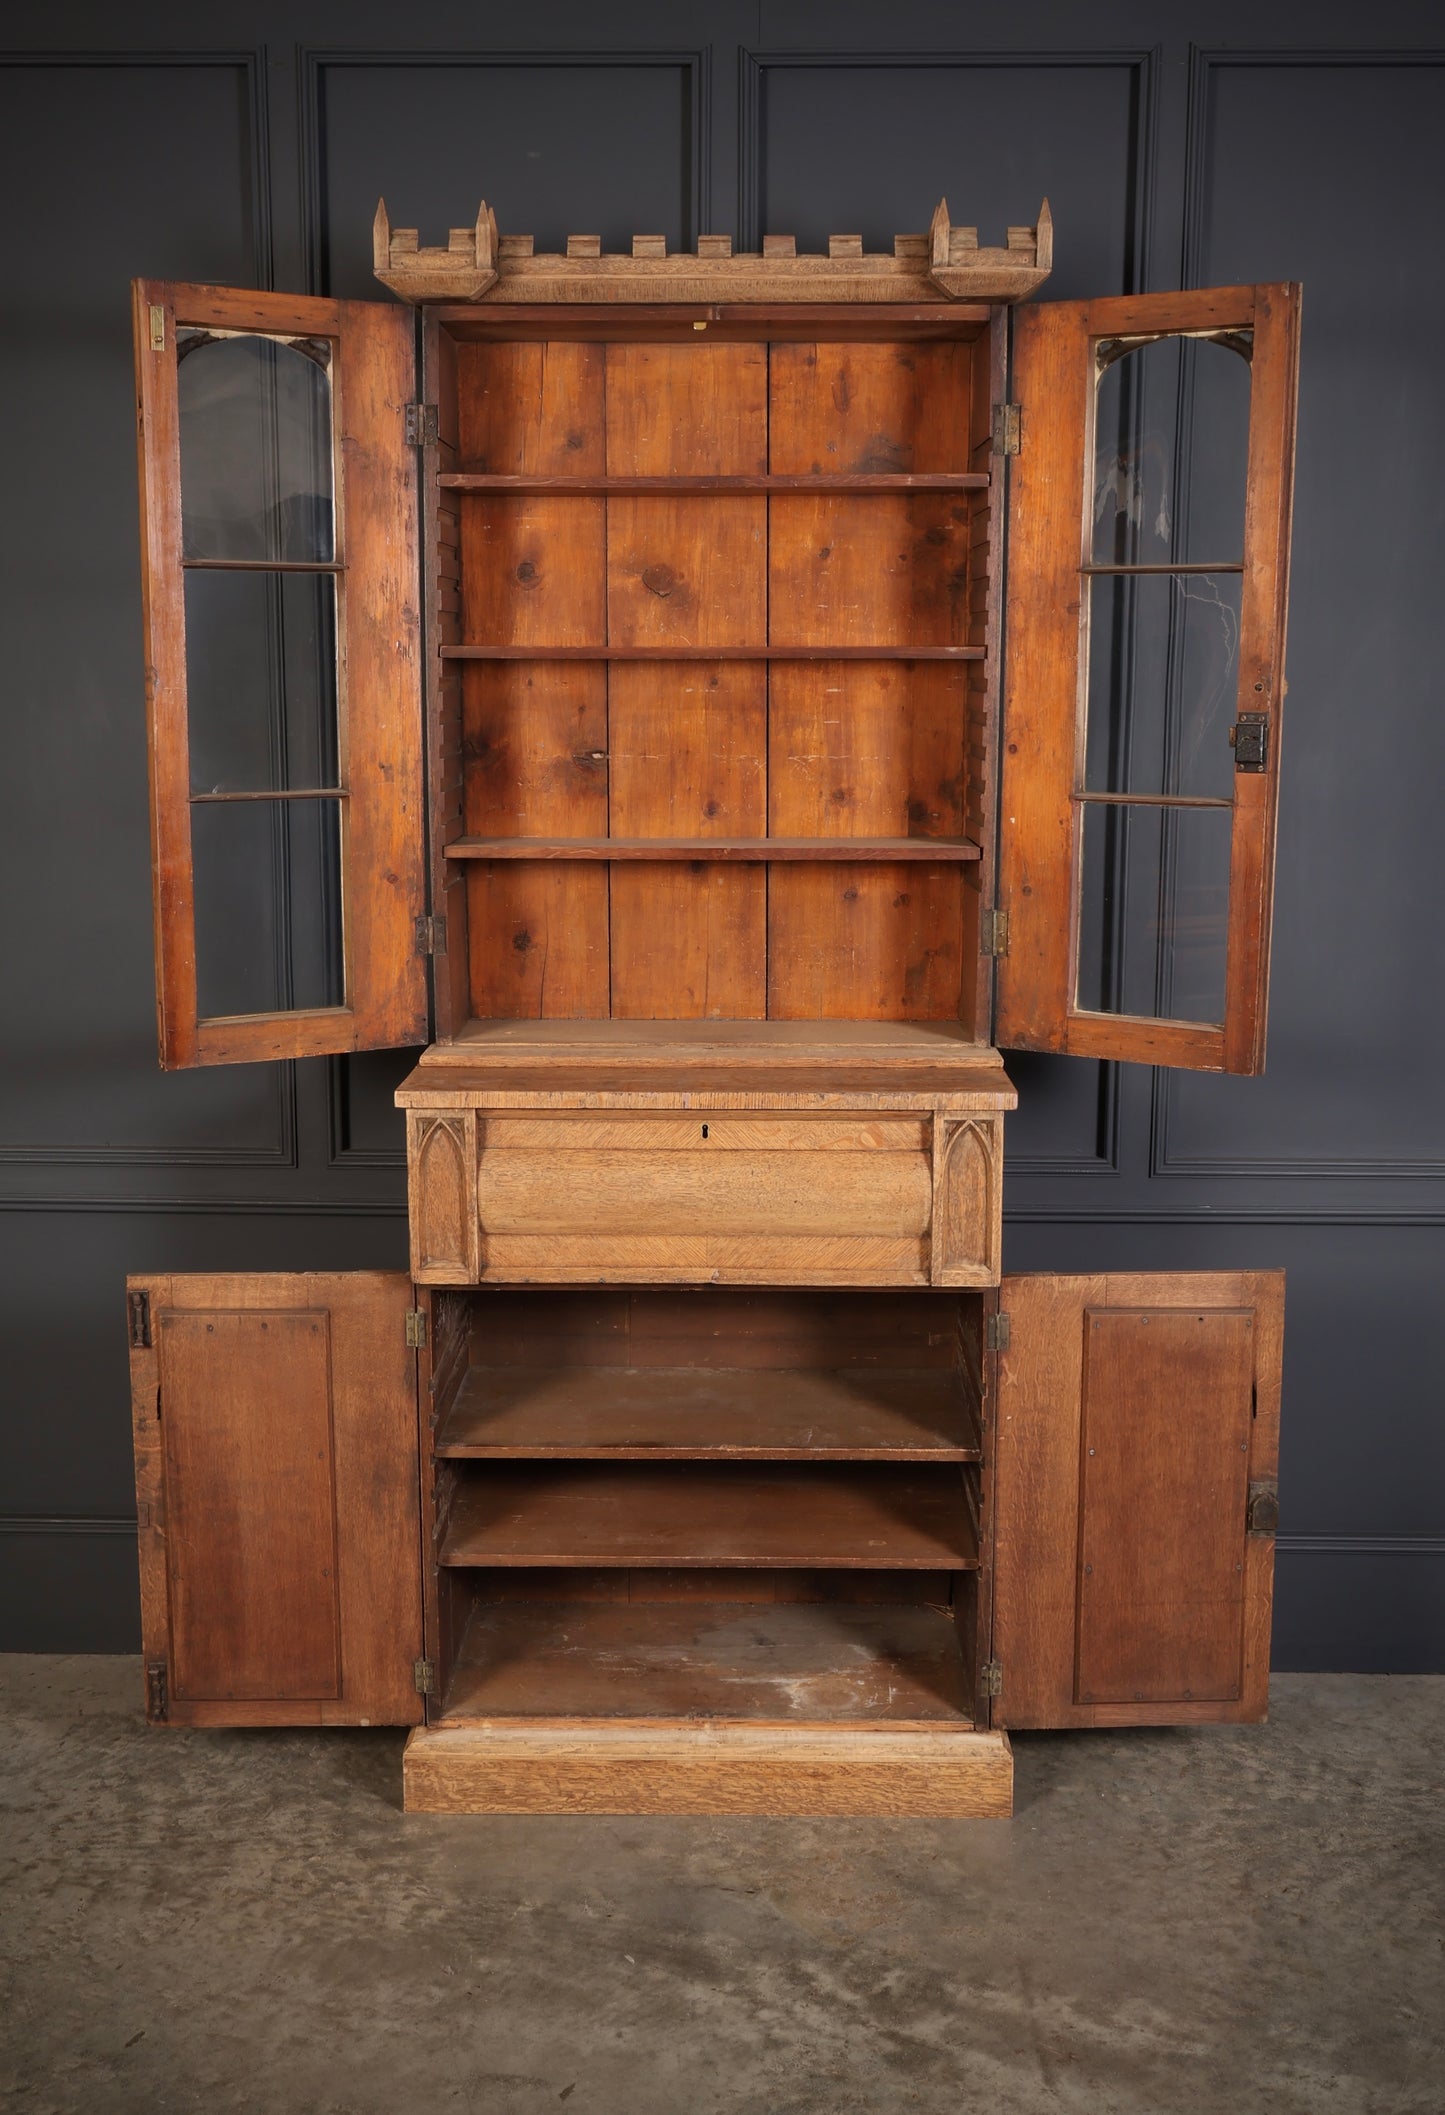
(710, 701)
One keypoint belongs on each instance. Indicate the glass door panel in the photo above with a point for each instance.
(1147, 566)
(283, 646)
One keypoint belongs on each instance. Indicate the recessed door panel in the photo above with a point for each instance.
(250, 1504)
(1164, 1479)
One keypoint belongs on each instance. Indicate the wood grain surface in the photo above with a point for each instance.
(589, 1768)
(681, 1514)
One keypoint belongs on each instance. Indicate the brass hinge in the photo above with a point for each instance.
(422, 427)
(1249, 739)
(997, 1331)
(138, 1307)
(1007, 429)
(157, 1702)
(993, 933)
(415, 1329)
(424, 1676)
(431, 936)
(158, 327)
(1262, 1513)
(992, 1678)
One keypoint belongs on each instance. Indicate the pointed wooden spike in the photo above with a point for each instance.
(1044, 236)
(938, 235)
(380, 238)
(486, 238)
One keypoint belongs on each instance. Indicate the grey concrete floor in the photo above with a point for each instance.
(1230, 1919)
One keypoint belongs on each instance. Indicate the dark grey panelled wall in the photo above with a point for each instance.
(1180, 143)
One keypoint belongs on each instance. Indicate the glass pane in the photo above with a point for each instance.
(261, 681)
(268, 905)
(1163, 680)
(255, 417)
(1171, 451)
(1154, 897)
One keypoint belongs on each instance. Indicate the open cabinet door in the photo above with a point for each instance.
(283, 656)
(1149, 519)
(1135, 1497)
(278, 1495)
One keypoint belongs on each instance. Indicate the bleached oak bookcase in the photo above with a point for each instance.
(606, 666)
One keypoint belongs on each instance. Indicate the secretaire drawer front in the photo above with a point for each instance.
(559, 1196)
(734, 1197)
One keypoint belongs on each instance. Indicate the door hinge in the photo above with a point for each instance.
(993, 933)
(415, 1329)
(424, 1676)
(157, 1701)
(422, 427)
(991, 1678)
(158, 327)
(431, 936)
(138, 1307)
(1262, 1513)
(1249, 739)
(997, 1331)
(1007, 428)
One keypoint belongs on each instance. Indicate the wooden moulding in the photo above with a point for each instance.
(945, 264)
(636, 1768)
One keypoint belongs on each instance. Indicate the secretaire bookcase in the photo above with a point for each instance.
(711, 701)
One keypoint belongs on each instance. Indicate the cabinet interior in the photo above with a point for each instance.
(714, 668)
(736, 1505)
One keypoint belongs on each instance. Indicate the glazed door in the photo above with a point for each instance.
(278, 1494)
(1134, 1497)
(279, 564)
(1148, 561)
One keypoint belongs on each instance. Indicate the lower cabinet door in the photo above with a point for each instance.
(275, 1421)
(1136, 1450)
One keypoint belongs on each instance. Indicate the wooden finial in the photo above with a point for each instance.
(1044, 239)
(938, 235)
(380, 238)
(486, 238)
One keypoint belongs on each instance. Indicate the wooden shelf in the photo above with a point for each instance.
(818, 1660)
(754, 849)
(694, 1413)
(667, 487)
(714, 653)
(676, 1514)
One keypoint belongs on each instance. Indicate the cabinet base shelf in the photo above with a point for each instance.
(612, 1767)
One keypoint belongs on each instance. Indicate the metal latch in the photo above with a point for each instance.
(1008, 422)
(993, 932)
(158, 327)
(138, 1308)
(157, 1702)
(415, 1329)
(997, 1331)
(991, 1678)
(431, 936)
(1249, 739)
(424, 1675)
(423, 428)
(1262, 1513)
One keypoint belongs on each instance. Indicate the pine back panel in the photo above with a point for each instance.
(696, 749)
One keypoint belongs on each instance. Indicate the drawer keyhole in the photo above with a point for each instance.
(704, 1130)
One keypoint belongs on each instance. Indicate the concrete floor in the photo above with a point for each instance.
(1227, 1920)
